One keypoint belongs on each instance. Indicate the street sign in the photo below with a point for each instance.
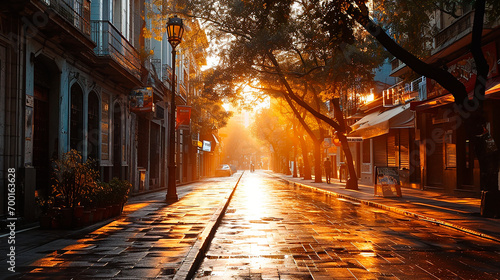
(387, 182)
(354, 139)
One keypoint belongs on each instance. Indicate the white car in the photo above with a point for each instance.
(223, 170)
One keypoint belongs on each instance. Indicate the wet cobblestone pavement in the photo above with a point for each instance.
(149, 241)
(275, 231)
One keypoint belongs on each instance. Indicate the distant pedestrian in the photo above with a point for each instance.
(328, 169)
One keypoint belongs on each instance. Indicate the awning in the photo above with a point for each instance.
(432, 103)
(379, 123)
(492, 92)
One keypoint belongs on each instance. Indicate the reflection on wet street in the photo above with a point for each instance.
(275, 231)
(149, 241)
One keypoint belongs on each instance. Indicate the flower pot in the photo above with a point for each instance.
(86, 217)
(45, 221)
(105, 213)
(100, 212)
(116, 209)
(97, 215)
(78, 211)
(67, 217)
(109, 211)
(92, 218)
(55, 223)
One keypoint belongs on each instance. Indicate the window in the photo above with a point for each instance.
(105, 127)
(76, 120)
(93, 127)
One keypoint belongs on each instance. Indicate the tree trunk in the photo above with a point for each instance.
(286, 166)
(318, 177)
(305, 156)
(295, 162)
(276, 162)
(471, 112)
(352, 181)
(338, 127)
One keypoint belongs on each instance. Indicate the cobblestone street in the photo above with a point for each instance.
(275, 231)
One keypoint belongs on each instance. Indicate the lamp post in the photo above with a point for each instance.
(175, 29)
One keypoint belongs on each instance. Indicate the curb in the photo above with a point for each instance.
(397, 210)
(195, 256)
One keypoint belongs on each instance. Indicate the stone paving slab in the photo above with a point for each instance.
(454, 212)
(274, 230)
(151, 240)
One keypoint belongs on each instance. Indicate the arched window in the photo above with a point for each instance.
(76, 120)
(93, 127)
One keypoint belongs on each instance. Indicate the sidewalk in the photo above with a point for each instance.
(454, 212)
(151, 239)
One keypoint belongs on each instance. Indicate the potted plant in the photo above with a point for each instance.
(45, 205)
(119, 191)
(74, 180)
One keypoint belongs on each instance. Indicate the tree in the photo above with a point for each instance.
(471, 111)
(269, 41)
(269, 127)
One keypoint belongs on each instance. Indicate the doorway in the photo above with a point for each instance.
(45, 121)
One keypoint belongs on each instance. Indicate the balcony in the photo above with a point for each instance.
(113, 45)
(402, 93)
(76, 12)
(455, 31)
(167, 80)
(167, 75)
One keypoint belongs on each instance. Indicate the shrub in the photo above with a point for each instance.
(119, 190)
(74, 181)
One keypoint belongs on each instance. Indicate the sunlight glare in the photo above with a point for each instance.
(255, 199)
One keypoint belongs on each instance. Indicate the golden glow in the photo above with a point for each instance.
(134, 206)
(255, 198)
(367, 98)
(370, 98)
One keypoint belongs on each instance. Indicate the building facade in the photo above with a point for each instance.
(68, 70)
(433, 150)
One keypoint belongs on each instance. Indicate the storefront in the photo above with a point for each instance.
(388, 140)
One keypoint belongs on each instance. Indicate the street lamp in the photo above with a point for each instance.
(175, 29)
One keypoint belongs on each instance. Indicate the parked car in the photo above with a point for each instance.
(223, 170)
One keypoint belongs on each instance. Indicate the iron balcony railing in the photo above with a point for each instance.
(77, 12)
(111, 43)
(462, 24)
(167, 74)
